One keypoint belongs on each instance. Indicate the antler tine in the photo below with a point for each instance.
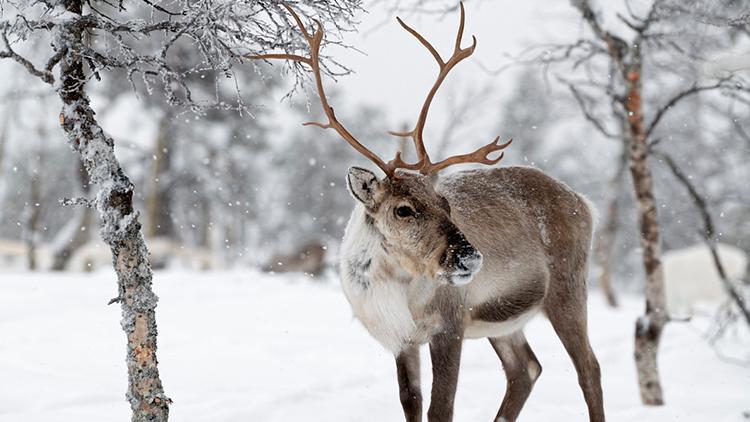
(480, 156)
(398, 163)
(315, 41)
(423, 164)
(457, 50)
(460, 34)
(459, 54)
(297, 19)
(400, 134)
(423, 41)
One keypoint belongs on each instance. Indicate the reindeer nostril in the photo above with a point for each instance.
(460, 255)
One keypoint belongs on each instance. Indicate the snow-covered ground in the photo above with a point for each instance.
(253, 347)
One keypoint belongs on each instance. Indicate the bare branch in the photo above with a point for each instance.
(627, 22)
(161, 9)
(133, 27)
(708, 233)
(616, 46)
(652, 17)
(581, 51)
(586, 112)
(694, 89)
(709, 17)
(422, 7)
(741, 21)
(70, 202)
(315, 41)
(44, 75)
(741, 130)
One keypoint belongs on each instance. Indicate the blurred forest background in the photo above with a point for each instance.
(224, 177)
(223, 189)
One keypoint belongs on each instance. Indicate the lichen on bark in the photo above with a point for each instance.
(120, 229)
(650, 326)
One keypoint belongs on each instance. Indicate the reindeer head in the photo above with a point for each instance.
(403, 206)
(415, 224)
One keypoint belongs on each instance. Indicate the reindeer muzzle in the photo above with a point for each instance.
(460, 261)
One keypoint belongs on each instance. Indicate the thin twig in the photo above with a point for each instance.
(694, 89)
(44, 75)
(708, 232)
(586, 112)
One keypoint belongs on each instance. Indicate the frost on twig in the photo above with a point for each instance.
(85, 202)
(709, 235)
(161, 49)
(143, 40)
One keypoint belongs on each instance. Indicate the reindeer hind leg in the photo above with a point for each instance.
(566, 310)
(521, 371)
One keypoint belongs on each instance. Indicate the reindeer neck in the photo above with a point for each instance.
(365, 256)
(389, 302)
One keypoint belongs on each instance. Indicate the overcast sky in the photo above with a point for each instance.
(397, 71)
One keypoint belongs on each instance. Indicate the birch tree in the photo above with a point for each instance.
(627, 56)
(612, 76)
(89, 38)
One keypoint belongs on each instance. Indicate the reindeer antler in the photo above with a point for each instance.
(423, 164)
(314, 41)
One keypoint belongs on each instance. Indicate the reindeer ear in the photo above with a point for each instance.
(363, 185)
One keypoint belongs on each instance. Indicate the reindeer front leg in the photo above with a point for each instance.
(410, 390)
(445, 352)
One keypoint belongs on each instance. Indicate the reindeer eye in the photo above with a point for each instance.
(404, 211)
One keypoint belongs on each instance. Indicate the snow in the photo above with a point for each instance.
(243, 346)
(691, 278)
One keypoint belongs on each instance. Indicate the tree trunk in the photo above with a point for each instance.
(120, 228)
(609, 230)
(78, 231)
(31, 216)
(8, 117)
(32, 211)
(158, 199)
(4, 131)
(649, 327)
(709, 236)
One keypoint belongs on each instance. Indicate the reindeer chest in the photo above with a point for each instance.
(393, 307)
(393, 310)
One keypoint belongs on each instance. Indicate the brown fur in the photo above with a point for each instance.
(410, 392)
(418, 243)
(499, 210)
(534, 234)
(506, 307)
(521, 371)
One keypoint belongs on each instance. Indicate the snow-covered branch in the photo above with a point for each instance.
(583, 105)
(740, 21)
(169, 48)
(144, 40)
(726, 82)
(7, 52)
(708, 233)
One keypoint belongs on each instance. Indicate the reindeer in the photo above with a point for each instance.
(477, 253)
